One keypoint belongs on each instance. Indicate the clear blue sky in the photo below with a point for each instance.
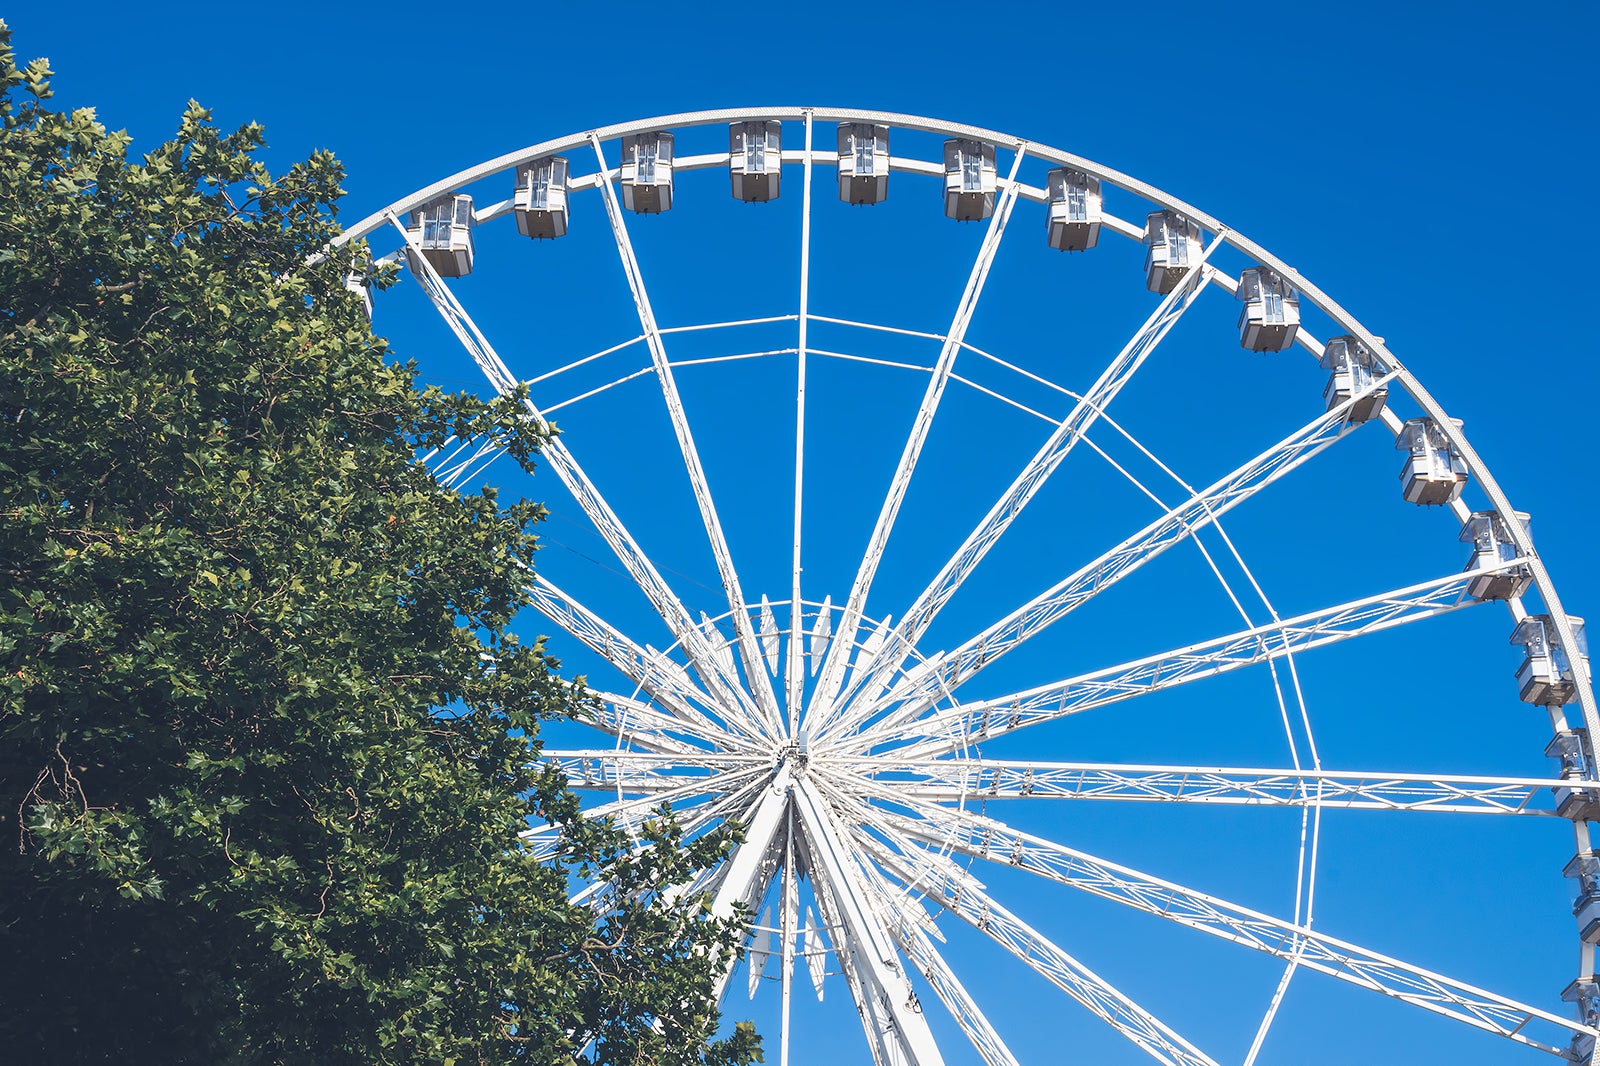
(1429, 166)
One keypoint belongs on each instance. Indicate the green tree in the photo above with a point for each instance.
(266, 742)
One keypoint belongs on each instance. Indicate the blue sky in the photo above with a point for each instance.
(1429, 166)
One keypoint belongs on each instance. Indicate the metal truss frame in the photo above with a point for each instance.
(860, 783)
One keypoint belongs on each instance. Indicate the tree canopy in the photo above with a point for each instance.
(266, 737)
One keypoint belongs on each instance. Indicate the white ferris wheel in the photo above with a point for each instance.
(868, 537)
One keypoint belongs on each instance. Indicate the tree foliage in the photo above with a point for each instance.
(266, 740)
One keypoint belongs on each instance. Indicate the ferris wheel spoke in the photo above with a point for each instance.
(749, 869)
(561, 461)
(691, 821)
(838, 651)
(641, 725)
(915, 621)
(948, 730)
(885, 1048)
(632, 771)
(737, 795)
(788, 924)
(917, 947)
(766, 709)
(696, 647)
(543, 842)
(989, 839)
(960, 780)
(863, 936)
(463, 461)
(652, 670)
(960, 894)
(794, 673)
(917, 692)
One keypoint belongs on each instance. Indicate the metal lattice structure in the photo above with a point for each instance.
(848, 746)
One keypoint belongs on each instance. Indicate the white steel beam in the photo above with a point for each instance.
(916, 694)
(918, 949)
(948, 729)
(633, 771)
(903, 638)
(641, 725)
(879, 1031)
(958, 780)
(863, 937)
(788, 918)
(822, 698)
(464, 462)
(566, 468)
(733, 788)
(652, 670)
(760, 850)
(749, 869)
(543, 842)
(766, 709)
(987, 838)
(964, 897)
(794, 674)
(1308, 290)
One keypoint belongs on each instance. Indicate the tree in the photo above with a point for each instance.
(266, 739)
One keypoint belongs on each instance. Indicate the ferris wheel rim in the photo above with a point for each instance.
(1155, 196)
(1501, 503)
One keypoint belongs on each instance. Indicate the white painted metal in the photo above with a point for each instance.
(953, 780)
(917, 947)
(878, 1029)
(1038, 469)
(833, 668)
(1308, 291)
(794, 677)
(753, 862)
(869, 945)
(722, 738)
(641, 771)
(964, 897)
(765, 703)
(651, 670)
(1000, 714)
(565, 467)
(788, 917)
(1177, 525)
(987, 838)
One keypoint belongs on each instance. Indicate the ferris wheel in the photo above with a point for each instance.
(864, 542)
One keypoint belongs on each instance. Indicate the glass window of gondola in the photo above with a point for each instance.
(863, 163)
(1261, 285)
(1171, 234)
(1486, 531)
(755, 160)
(1074, 213)
(645, 152)
(540, 201)
(443, 229)
(970, 180)
(543, 183)
(865, 146)
(646, 175)
(1347, 352)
